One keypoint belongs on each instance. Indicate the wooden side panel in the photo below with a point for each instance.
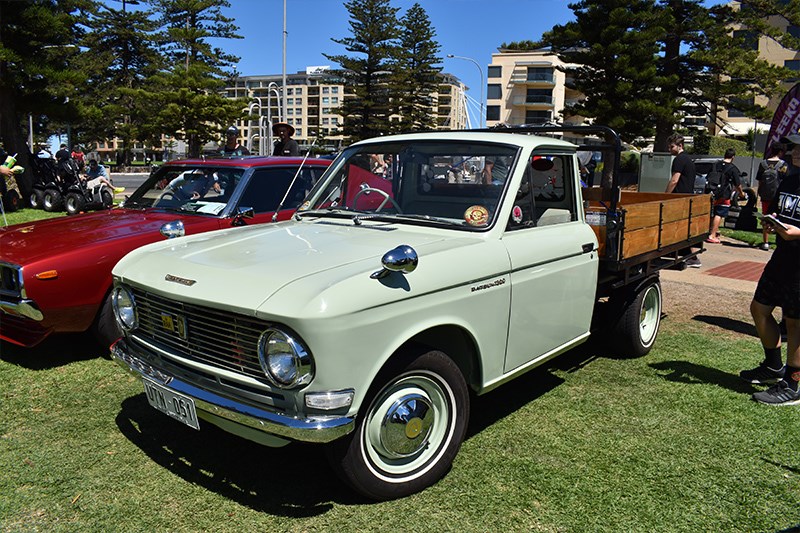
(639, 241)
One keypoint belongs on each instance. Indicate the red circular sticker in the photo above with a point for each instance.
(477, 215)
(516, 214)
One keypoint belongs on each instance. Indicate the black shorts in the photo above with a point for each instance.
(773, 290)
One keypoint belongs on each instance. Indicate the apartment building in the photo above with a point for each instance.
(735, 122)
(312, 98)
(528, 87)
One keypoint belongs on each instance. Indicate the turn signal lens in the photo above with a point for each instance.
(47, 274)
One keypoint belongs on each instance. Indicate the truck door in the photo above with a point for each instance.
(553, 262)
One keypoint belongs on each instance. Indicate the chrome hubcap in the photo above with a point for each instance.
(406, 426)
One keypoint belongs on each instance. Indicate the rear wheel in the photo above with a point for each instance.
(12, 201)
(37, 199)
(52, 200)
(106, 198)
(411, 430)
(74, 203)
(639, 317)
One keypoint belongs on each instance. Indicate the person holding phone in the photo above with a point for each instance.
(779, 286)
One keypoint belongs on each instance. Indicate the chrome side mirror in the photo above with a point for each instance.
(241, 214)
(173, 229)
(402, 259)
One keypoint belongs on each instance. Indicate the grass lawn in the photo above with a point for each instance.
(667, 442)
(29, 215)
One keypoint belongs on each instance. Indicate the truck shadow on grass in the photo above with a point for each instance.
(53, 352)
(294, 481)
(730, 324)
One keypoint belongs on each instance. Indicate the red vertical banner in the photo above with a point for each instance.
(786, 119)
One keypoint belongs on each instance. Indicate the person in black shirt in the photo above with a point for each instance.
(63, 154)
(682, 180)
(779, 286)
(232, 146)
(285, 145)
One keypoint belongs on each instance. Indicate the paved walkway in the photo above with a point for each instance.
(732, 265)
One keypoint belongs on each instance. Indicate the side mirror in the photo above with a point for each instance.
(402, 259)
(241, 214)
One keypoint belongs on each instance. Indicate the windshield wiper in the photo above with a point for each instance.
(339, 211)
(429, 220)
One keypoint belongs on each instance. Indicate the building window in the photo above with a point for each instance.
(334, 90)
(326, 100)
(540, 74)
(539, 96)
(537, 117)
(299, 132)
(290, 111)
(334, 99)
(335, 121)
(733, 112)
(326, 110)
(492, 112)
(298, 121)
(298, 90)
(326, 90)
(290, 101)
(298, 111)
(749, 39)
(794, 31)
(494, 91)
(326, 121)
(495, 71)
(793, 64)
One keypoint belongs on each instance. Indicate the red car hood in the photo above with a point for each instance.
(26, 243)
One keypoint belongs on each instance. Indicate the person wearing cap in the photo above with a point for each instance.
(285, 145)
(779, 286)
(232, 146)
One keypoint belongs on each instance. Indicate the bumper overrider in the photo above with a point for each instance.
(316, 430)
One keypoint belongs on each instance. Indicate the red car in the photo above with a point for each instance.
(55, 275)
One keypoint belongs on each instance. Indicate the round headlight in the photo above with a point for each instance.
(284, 360)
(124, 308)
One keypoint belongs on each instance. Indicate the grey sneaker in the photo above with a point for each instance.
(762, 375)
(693, 262)
(764, 246)
(779, 394)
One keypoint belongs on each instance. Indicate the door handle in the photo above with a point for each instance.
(588, 247)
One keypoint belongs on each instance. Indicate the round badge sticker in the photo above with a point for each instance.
(477, 215)
(516, 214)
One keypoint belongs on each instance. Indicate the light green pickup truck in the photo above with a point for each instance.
(420, 269)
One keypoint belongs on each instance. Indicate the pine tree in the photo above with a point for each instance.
(415, 76)
(120, 60)
(38, 43)
(192, 105)
(367, 103)
(645, 63)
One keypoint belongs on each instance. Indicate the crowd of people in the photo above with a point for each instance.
(778, 180)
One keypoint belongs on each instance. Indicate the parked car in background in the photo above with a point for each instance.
(55, 275)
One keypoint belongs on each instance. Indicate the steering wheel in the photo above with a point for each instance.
(386, 198)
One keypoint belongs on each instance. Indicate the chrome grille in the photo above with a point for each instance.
(10, 281)
(202, 334)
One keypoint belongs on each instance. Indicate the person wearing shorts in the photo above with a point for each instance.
(777, 152)
(731, 177)
(779, 286)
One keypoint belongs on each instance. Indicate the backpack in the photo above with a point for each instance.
(717, 182)
(770, 178)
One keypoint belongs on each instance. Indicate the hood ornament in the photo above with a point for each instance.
(402, 259)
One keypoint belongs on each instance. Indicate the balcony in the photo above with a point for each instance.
(535, 101)
(533, 78)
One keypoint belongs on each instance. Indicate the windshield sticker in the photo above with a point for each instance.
(477, 215)
(516, 214)
(305, 205)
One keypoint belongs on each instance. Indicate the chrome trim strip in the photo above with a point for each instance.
(316, 430)
(24, 308)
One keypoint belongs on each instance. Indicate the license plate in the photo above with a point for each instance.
(171, 403)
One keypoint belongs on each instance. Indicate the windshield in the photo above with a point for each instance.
(203, 189)
(456, 183)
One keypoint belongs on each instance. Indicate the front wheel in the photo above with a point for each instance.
(74, 203)
(639, 317)
(37, 199)
(52, 200)
(410, 432)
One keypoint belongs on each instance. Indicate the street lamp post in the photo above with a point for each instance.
(482, 120)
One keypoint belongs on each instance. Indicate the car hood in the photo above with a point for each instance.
(241, 269)
(26, 243)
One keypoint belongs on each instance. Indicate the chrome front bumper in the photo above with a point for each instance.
(23, 308)
(317, 430)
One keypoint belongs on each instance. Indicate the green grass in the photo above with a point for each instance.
(753, 238)
(667, 442)
(29, 215)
